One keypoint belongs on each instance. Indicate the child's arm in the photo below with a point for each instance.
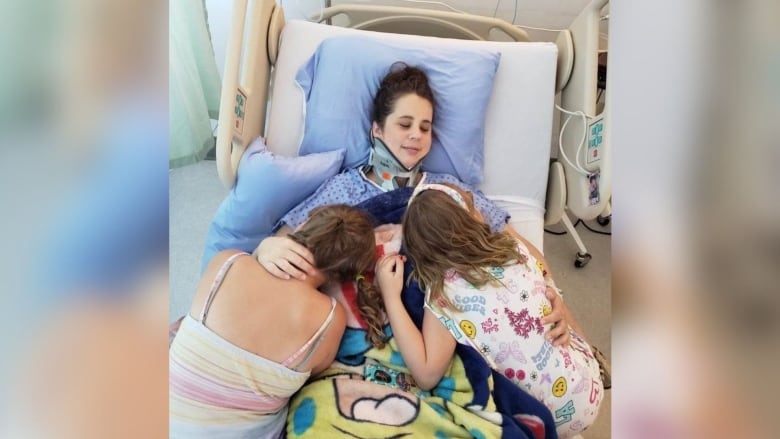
(427, 354)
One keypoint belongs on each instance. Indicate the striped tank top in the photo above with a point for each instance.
(218, 389)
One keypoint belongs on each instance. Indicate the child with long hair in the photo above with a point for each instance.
(487, 290)
(252, 340)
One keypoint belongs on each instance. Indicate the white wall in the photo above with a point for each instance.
(220, 14)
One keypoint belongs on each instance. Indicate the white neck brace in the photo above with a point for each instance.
(387, 167)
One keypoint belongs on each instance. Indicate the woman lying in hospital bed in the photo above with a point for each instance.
(365, 392)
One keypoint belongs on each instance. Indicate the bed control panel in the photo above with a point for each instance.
(595, 142)
(239, 110)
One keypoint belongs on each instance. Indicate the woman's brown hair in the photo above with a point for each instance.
(400, 81)
(439, 235)
(341, 239)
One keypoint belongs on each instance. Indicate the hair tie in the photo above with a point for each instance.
(359, 277)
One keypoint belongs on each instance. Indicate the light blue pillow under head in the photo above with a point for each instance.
(267, 187)
(339, 82)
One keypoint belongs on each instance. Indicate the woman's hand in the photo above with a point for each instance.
(559, 317)
(390, 276)
(285, 258)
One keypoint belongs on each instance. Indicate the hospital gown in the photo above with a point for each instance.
(352, 187)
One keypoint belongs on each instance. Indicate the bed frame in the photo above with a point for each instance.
(245, 90)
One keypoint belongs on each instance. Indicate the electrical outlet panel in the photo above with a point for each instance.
(239, 110)
(595, 141)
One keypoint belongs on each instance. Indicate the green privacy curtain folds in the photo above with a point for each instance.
(194, 83)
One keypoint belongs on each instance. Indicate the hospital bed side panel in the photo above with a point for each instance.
(244, 84)
(580, 95)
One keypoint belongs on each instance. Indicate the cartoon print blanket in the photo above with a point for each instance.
(369, 393)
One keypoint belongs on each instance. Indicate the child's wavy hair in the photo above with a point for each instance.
(341, 239)
(440, 235)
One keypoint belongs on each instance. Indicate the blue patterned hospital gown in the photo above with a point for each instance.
(351, 187)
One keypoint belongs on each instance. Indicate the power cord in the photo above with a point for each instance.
(514, 17)
(495, 12)
(578, 167)
(442, 4)
(594, 231)
(303, 13)
(575, 225)
(539, 28)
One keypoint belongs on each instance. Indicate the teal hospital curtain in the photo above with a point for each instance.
(194, 83)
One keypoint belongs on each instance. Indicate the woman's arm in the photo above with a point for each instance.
(283, 257)
(427, 354)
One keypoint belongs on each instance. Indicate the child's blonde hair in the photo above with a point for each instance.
(439, 235)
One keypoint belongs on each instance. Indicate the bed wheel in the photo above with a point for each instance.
(603, 220)
(582, 259)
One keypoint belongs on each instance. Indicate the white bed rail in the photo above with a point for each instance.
(417, 21)
(579, 94)
(244, 96)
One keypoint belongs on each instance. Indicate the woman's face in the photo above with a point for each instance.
(407, 130)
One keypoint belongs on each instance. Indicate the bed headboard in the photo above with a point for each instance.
(417, 21)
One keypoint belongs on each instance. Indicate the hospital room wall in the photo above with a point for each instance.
(220, 13)
(219, 16)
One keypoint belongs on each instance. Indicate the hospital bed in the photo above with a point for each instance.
(261, 98)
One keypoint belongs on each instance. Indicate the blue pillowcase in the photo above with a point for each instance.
(267, 187)
(339, 82)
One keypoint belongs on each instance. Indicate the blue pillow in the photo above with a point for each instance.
(339, 82)
(267, 187)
